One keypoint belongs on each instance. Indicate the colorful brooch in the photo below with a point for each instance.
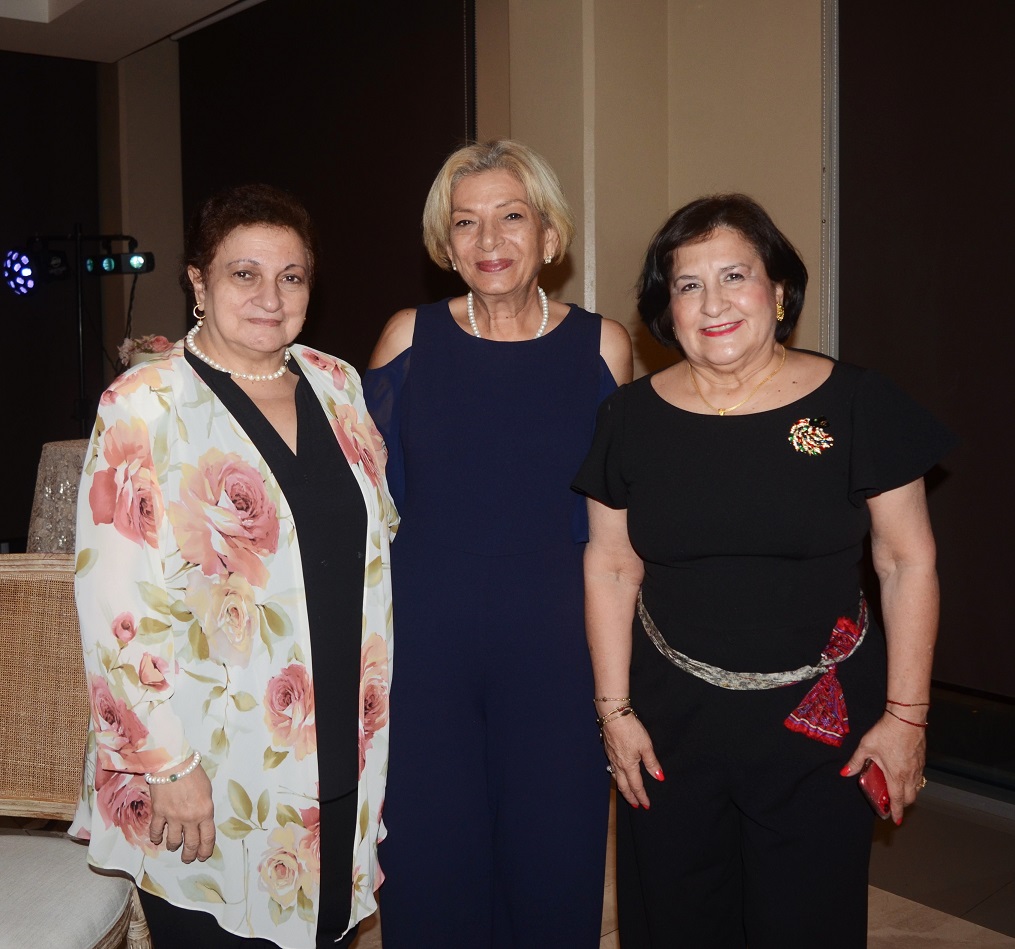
(809, 436)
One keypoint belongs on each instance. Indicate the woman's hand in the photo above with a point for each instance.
(184, 812)
(900, 750)
(628, 747)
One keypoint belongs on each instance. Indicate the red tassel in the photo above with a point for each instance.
(822, 714)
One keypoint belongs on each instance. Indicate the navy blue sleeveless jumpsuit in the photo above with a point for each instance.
(497, 795)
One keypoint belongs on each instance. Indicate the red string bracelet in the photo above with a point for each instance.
(906, 720)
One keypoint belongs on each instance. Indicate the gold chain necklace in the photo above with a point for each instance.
(751, 394)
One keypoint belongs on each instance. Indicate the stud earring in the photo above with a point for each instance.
(454, 266)
(780, 312)
(198, 315)
(547, 260)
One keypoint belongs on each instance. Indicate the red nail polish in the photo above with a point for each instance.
(845, 771)
(898, 823)
(645, 806)
(659, 774)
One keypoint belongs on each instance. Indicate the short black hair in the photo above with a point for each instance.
(697, 221)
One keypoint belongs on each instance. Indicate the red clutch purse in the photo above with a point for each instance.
(875, 789)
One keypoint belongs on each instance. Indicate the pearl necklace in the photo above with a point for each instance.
(750, 395)
(543, 302)
(249, 376)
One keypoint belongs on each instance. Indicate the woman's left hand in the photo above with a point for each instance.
(900, 750)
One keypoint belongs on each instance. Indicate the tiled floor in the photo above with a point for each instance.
(945, 879)
(955, 853)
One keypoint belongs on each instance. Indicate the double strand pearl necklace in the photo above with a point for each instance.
(751, 394)
(249, 376)
(543, 302)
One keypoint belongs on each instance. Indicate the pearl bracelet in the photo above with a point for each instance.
(170, 778)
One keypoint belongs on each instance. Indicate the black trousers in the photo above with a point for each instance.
(753, 839)
(720, 862)
(173, 927)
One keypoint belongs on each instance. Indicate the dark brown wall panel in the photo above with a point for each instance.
(926, 281)
(351, 106)
(49, 174)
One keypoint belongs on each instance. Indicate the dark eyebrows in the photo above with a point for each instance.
(256, 263)
(722, 270)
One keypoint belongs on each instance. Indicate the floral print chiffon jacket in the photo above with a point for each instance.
(195, 634)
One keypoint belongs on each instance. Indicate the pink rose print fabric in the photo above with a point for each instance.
(195, 637)
(289, 711)
(374, 679)
(122, 738)
(225, 522)
(124, 803)
(125, 493)
(331, 366)
(226, 609)
(360, 441)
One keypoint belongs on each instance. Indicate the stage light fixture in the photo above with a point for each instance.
(133, 262)
(23, 269)
(18, 272)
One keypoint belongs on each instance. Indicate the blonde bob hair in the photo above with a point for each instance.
(539, 180)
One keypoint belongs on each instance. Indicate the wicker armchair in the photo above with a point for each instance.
(49, 897)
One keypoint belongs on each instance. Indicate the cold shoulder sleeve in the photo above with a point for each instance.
(895, 440)
(601, 475)
(384, 389)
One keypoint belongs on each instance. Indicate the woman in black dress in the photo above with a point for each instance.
(730, 498)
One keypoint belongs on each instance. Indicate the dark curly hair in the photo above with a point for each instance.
(244, 206)
(697, 221)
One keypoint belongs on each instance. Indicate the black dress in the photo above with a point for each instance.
(331, 519)
(751, 528)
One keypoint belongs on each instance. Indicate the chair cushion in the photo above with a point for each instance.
(50, 897)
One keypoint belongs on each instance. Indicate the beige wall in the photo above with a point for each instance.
(643, 106)
(639, 106)
(141, 187)
(746, 116)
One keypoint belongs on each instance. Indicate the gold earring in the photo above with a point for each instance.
(780, 312)
(198, 315)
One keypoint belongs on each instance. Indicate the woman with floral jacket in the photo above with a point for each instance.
(234, 599)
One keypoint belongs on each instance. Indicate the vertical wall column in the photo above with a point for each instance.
(641, 107)
(745, 115)
(584, 83)
(140, 187)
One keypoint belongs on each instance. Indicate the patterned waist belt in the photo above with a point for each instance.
(822, 714)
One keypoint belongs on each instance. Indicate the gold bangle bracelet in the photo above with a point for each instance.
(614, 715)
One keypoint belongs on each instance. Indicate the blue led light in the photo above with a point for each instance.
(18, 272)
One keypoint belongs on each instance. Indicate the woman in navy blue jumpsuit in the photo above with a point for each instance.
(497, 792)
